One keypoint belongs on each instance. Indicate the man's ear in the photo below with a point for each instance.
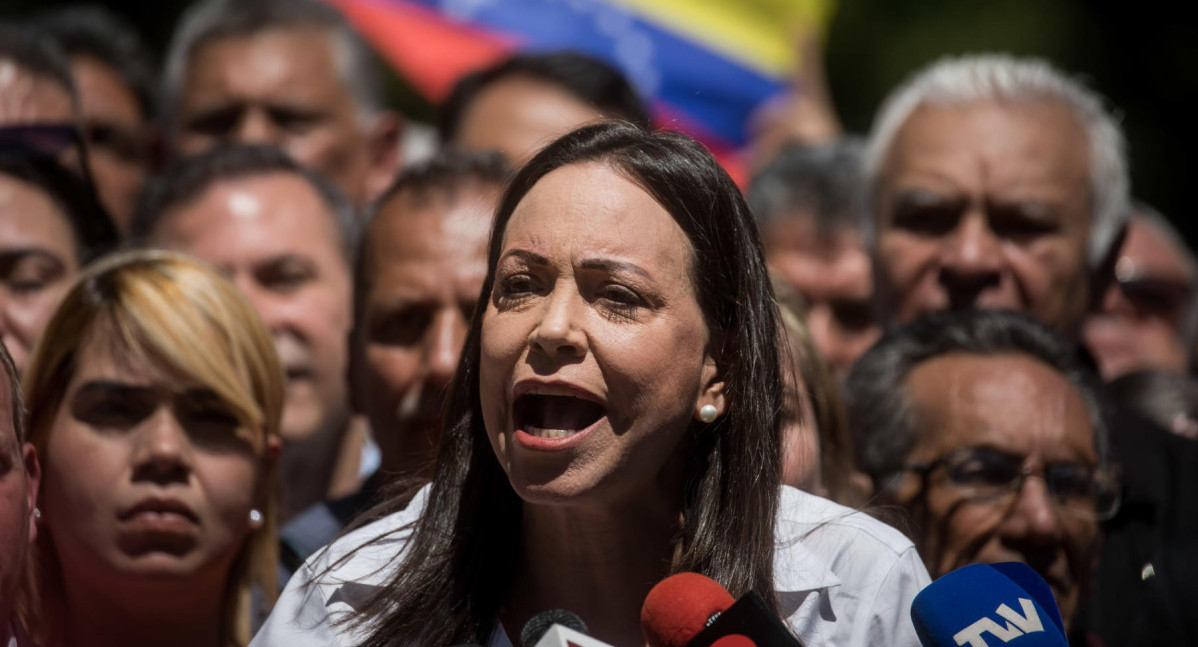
(1102, 275)
(386, 153)
(33, 480)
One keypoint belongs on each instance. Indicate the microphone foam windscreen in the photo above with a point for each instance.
(979, 606)
(537, 625)
(678, 608)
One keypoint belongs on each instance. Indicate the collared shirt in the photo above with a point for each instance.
(842, 577)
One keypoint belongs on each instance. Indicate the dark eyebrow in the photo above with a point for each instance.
(531, 258)
(609, 265)
(14, 254)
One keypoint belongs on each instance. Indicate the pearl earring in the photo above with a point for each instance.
(708, 413)
(255, 517)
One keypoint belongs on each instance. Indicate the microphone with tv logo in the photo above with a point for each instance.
(987, 605)
(557, 628)
(692, 610)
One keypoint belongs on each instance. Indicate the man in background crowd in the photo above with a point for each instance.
(19, 476)
(286, 237)
(808, 208)
(419, 271)
(118, 95)
(933, 406)
(288, 73)
(1148, 318)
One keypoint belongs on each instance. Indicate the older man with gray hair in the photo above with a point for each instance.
(995, 182)
(287, 73)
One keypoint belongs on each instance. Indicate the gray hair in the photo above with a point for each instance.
(880, 415)
(188, 178)
(823, 181)
(211, 20)
(1003, 78)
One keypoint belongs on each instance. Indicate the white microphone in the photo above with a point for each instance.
(562, 636)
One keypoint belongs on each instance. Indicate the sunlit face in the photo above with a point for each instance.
(986, 205)
(279, 87)
(18, 492)
(115, 129)
(1019, 406)
(149, 479)
(519, 116)
(37, 263)
(423, 266)
(1142, 319)
(832, 272)
(276, 239)
(594, 348)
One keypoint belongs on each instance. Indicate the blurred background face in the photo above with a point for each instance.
(832, 273)
(519, 116)
(37, 263)
(116, 134)
(18, 492)
(28, 98)
(276, 239)
(424, 263)
(985, 206)
(1141, 323)
(280, 87)
(149, 478)
(1007, 404)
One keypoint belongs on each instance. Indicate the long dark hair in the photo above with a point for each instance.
(450, 586)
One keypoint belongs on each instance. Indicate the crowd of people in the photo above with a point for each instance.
(272, 378)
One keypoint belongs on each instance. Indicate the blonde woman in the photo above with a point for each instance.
(154, 398)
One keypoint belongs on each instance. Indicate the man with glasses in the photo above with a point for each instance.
(1149, 315)
(987, 432)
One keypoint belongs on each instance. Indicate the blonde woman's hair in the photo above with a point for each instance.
(178, 315)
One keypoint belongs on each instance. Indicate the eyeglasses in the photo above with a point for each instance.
(982, 474)
(61, 142)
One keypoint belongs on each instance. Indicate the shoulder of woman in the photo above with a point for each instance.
(362, 554)
(824, 525)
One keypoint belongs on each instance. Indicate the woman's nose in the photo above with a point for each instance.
(163, 450)
(559, 330)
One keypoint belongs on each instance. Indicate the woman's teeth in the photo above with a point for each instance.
(549, 433)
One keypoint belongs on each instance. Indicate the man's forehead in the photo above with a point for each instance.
(272, 211)
(287, 61)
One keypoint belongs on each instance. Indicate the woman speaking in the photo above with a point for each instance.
(614, 420)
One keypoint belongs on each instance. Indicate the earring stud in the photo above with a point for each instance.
(708, 413)
(255, 516)
(37, 513)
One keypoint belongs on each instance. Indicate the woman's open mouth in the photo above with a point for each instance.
(554, 416)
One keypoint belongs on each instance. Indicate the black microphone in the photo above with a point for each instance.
(692, 610)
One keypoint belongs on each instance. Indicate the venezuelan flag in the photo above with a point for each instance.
(703, 65)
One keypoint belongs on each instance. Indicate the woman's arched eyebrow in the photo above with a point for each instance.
(609, 265)
(531, 258)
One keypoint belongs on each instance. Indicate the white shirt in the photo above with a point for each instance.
(843, 579)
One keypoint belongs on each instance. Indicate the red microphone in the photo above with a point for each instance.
(678, 608)
(692, 610)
